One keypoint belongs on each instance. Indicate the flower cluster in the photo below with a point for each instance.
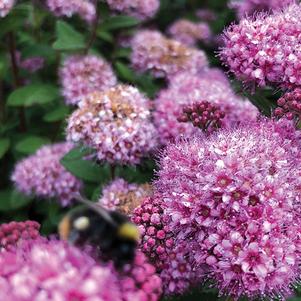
(190, 33)
(84, 8)
(289, 105)
(53, 270)
(186, 89)
(265, 50)
(14, 233)
(249, 7)
(164, 57)
(206, 14)
(233, 200)
(42, 174)
(158, 244)
(202, 115)
(5, 7)
(116, 123)
(31, 64)
(81, 75)
(123, 196)
(139, 8)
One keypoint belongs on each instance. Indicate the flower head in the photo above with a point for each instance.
(42, 175)
(5, 7)
(164, 57)
(81, 75)
(186, 89)
(139, 8)
(249, 7)
(84, 8)
(123, 196)
(190, 33)
(233, 200)
(55, 270)
(33, 64)
(265, 50)
(116, 123)
(14, 233)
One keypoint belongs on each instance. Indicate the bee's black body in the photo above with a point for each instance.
(102, 232)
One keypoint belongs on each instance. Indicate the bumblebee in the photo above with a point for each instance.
(110, 233)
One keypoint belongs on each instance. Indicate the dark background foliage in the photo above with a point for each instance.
(32, 112)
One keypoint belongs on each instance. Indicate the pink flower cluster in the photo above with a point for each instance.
(186, 89)
(84, 8)
(249, 7)
(53, 270)
(233, 199)
(265, 50)
(81, 75)
(43, 176)
(158, 244)
(116, 123)
(5, 7)
(140, 9)
(190, 33)
(206, 14)
(33, 64)
(14, 233)
(123, 196)
(164, 57)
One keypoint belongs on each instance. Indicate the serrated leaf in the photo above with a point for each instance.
(68, 38)
(119, 22)
(30, 144)
(4, 146)
(57, 114)
(33, 94)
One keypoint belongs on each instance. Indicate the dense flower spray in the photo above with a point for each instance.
(190, 33)
(81, 75)
(84, 8)
(249, 7)
(42, 175)
(5, 7)
(140, 9)
(54, 270)
(265, 50)
(233, 199)
(186, 89)
(116, 123)
(164, 57)
(14, 233)
(123, 196)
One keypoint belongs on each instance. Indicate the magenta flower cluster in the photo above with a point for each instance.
(265, 50)
(190, 33)
(5, 7)
(42, 175)
(116, 123)
(84, 8)
(140, 9)
(249, 7)
(232, 200)
(164, 57)
(53, 270)
(81, 75)
(14, 233)
(123, 196)
(186, 89)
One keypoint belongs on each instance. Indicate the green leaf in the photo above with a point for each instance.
(5, 200)
(33, 94)
(18, 200)
(104, 35)
(84, 169)
(4, 146)
(56, 115)
(30, 144)
(124, 72)
(68, 38)
(119, 22)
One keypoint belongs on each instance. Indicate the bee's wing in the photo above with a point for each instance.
(97, 208)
